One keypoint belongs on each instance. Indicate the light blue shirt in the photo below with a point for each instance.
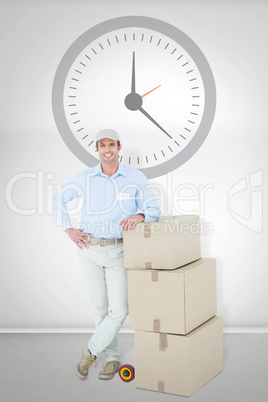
(106, 201)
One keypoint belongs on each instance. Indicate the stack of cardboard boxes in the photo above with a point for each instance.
(172, 306)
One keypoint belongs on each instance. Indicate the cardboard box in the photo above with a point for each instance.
(175, 301)
(167, 243)
(179, 364)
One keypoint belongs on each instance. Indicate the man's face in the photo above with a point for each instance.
(108, 150)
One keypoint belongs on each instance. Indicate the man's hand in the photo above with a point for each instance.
(77, 236)
(131, 221)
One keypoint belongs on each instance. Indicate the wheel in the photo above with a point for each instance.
(126, 372)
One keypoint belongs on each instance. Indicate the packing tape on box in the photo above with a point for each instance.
(163, 344)
(156, 325)
(146, 230)
(160, 386)
(147, 258)
(154, 276)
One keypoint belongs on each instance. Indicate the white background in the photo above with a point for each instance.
(41, 284)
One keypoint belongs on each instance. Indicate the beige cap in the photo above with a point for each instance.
(107, 133)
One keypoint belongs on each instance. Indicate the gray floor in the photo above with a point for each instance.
(40, 367)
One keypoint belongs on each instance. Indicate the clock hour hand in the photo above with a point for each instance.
(153, 121)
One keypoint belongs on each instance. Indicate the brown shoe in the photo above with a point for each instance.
(109, 370)
(82, 367)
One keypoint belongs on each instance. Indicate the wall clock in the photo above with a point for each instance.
(145, 79)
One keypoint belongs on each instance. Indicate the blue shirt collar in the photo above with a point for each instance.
(120, 171)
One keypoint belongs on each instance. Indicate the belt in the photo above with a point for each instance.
(103, 242)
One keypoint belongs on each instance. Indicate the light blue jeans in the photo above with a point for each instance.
(106, 282)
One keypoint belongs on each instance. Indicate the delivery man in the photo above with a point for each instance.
(115, 198)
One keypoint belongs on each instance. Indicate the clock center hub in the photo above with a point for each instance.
(133, 101)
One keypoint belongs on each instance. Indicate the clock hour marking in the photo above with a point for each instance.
(196, 114)
(73, 104)
(195, 96)
(109, 42)
(162, 152)
(94, 51)
(187, 62)
(151, 38)
(194, 104)
(129, 159)
(174, 51)
(85, 136)
(189, 71)
(82, 63)
(77, 121)
(116, 39)
(72, 88)
(71, 96)
(121, 157)
(158, 42)
(183, 137)
(101, 45)
(138, 159)
(180, 57)
(87, 57)
(146, 158)
(142, 36)
(192, 79)
(125, 37)
(177, 143)
(155, 157)
(170, 148)
(190, 121)
(90, 143)
(71, 114)
(80, 72)
(133, 36)
(195, 88)
(75, 79)
(187, 129)
(80, 129)
(166, 46)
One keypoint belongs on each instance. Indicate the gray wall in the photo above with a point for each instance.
(224, 182)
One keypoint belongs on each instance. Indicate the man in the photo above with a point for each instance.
(115, 198)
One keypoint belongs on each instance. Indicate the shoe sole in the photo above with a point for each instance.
(105, 378)
(79, 374)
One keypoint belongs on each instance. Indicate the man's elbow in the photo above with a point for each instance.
(152, 215)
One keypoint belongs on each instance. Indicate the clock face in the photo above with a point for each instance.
(143, 78)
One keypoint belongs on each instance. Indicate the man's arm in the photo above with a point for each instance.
(146, 203)
(70, 190)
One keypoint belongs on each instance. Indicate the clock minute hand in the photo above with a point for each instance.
(133, 84)
(153, 121)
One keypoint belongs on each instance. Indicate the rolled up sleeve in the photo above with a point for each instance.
(70, 190)
(146, 201)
